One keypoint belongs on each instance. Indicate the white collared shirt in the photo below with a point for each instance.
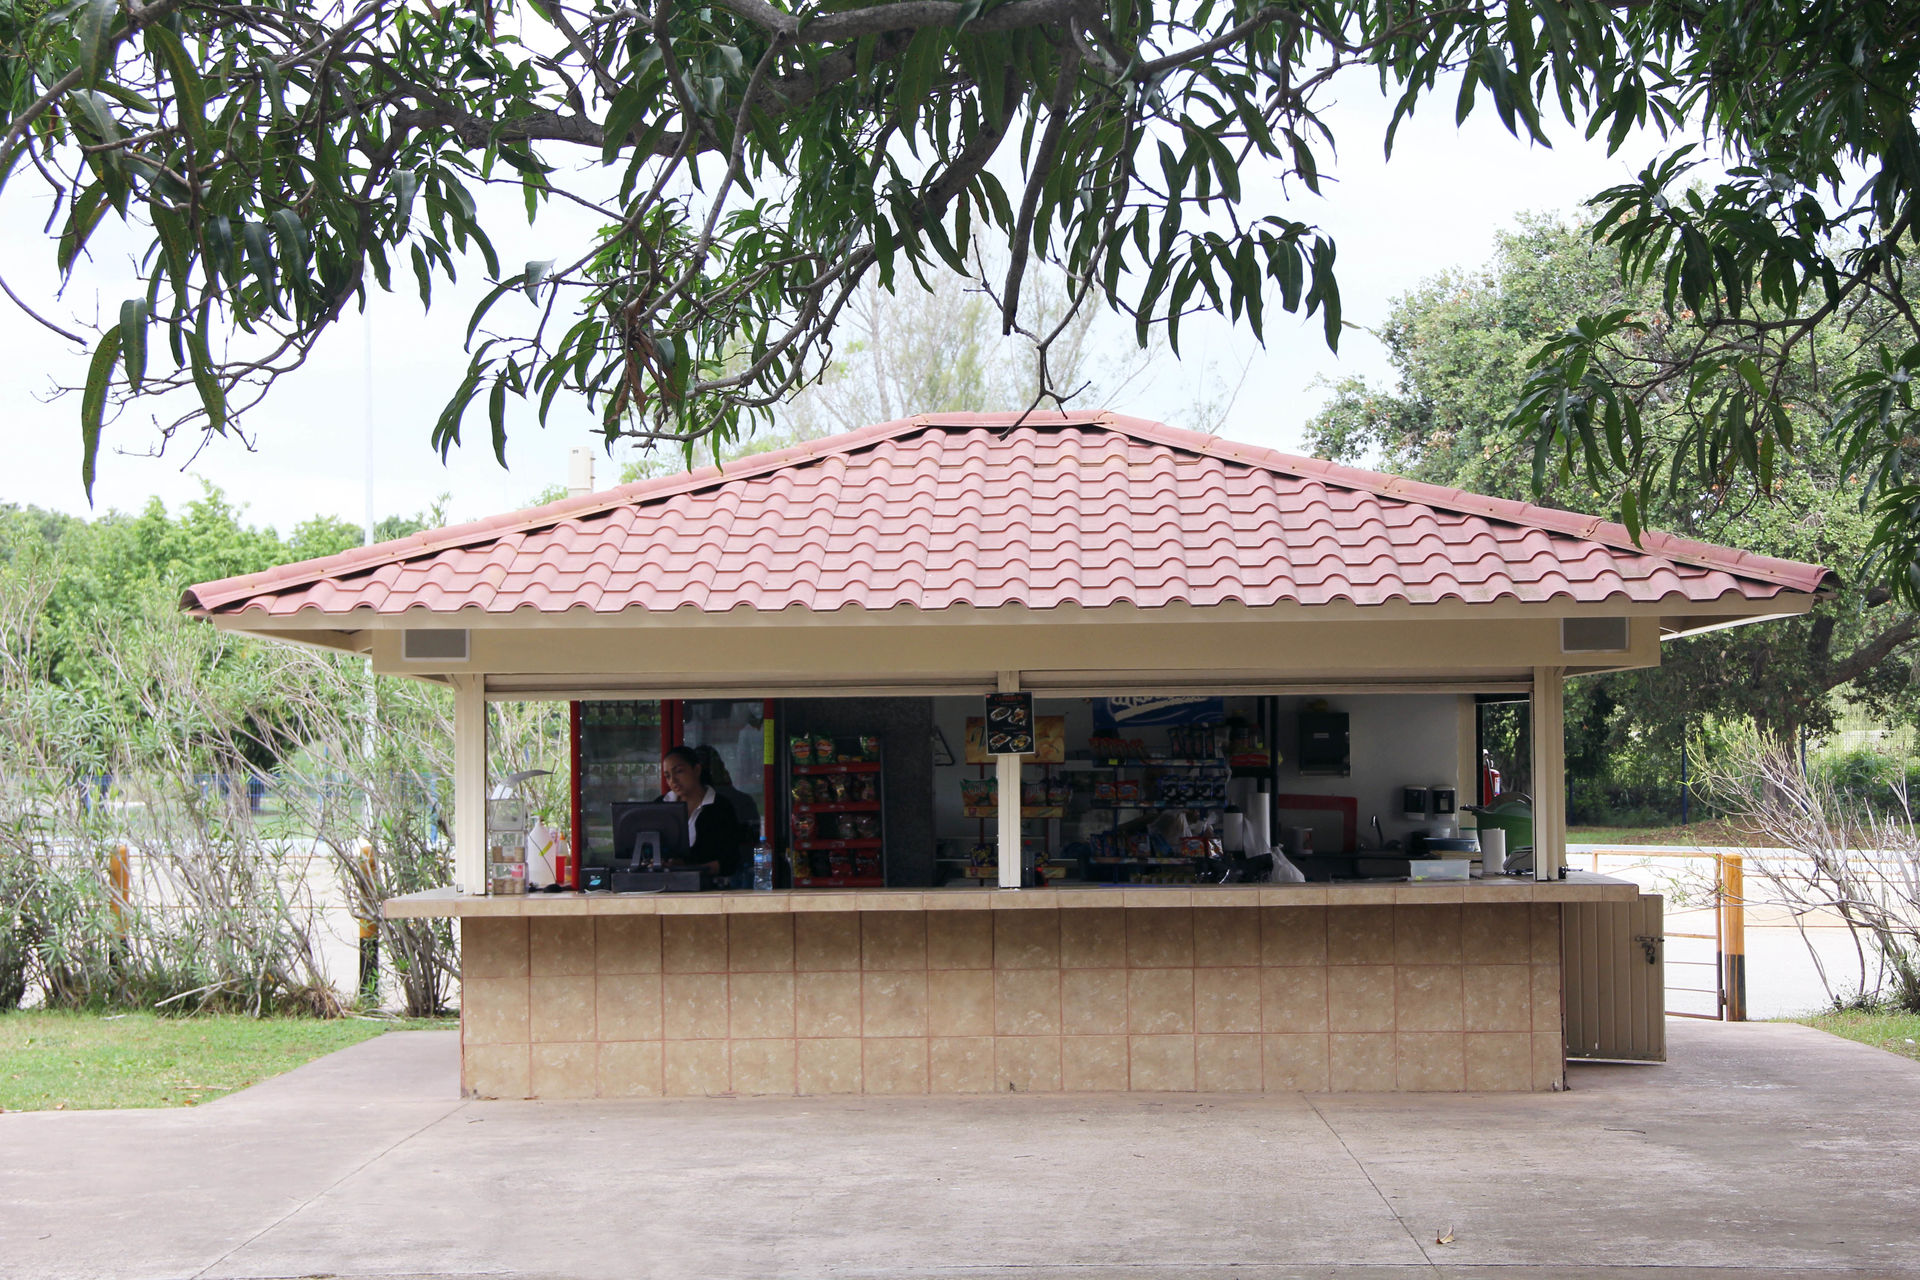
(693, 819)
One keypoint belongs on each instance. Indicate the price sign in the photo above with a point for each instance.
(1009, 724)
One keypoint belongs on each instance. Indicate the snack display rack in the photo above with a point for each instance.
(836, 813)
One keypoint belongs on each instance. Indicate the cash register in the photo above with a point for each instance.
(649, 838)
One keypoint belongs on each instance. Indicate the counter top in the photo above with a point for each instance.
(1579, 886)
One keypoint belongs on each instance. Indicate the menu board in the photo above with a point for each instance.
(1009, 724)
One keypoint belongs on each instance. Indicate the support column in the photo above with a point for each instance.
(470, 784)
(1549, 734)
(1007, 774)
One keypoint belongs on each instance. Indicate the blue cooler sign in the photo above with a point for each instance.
(1133, 713)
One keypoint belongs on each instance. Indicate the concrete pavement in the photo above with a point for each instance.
(1761, 1149)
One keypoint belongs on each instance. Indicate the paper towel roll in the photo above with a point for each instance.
(1241, 791)
(542, 843)
(1493, 850)
(1259, 814)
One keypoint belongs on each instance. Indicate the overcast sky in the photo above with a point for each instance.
(1437, 205)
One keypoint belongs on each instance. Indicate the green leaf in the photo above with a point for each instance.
(94, 34)
(212, 398)
(536, 273)
(190, 92)
(133, 339)
(93, 404)
(497, 416)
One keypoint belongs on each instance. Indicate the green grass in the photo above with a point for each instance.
(1895, 1032)
(90, 1061)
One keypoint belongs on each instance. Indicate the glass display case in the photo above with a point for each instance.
(618, 746)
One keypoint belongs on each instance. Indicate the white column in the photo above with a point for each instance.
(1549, 733)
(1007, 772)
(470, 783)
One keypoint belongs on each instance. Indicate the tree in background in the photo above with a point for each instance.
(1461, 345)
(750, 166)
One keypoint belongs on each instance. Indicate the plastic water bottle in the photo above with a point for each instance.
(762, 867)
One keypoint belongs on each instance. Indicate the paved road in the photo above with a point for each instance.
(1762, 1149)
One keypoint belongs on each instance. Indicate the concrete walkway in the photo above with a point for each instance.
(1762, 1149)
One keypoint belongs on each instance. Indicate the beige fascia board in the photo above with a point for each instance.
(1208, 651)
(1177, 613)
(1043, 684)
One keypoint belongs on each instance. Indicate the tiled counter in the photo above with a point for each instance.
(1367, 987)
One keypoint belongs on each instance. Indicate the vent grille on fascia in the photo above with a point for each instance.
(1593, 635)
(435, 644)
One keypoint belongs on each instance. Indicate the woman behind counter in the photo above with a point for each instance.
(716, 840)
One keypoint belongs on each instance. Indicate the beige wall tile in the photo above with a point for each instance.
(760, 943)
(496, 1071)
(1226, 936)
(1428, 998)
(560, 946)
(627, 1007)
(1026, 1002)
(1159, 1001)
(565, 1070)
(1360, 1063)
(760, 1006)
(827, 1004)
(1160, 939)
(829, 1066)
(1497, 997)
(1093, 1064)
(1426, 934)
(960, 940)
(696, 1068)
(1094, 938)
(1160, 1064)
(1360, 935)
(1430, 1061)
(1546, 933)
(894, 1065)
(560, 1010)
(1499, 1061)
(493, 947)
(626, 944)
(893, 940)
(1227, 1063)
(631, 1070)
(1026, 939)
(960, 1064)
(693, 944)
(1300, 1062)
(1226, 999)
(1027, 1064)
(694, 1006)
(494, 1011)
(1360, 997)
(1544, 991)
(1294, 999)
(893, 1003)
(1293, 935)
(1549, 1061)
(762, 1066)
(1093, 1001)
(1495, 933)
(826, 940)
(960, 1003)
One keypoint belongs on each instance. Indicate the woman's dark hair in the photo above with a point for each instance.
(687, 755)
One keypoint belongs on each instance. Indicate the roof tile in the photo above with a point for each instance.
(985, 510)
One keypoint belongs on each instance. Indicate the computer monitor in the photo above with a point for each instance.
(646, 832)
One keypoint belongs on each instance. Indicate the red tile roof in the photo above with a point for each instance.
(1085, 509)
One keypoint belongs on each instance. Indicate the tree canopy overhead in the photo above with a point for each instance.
(750, 164)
